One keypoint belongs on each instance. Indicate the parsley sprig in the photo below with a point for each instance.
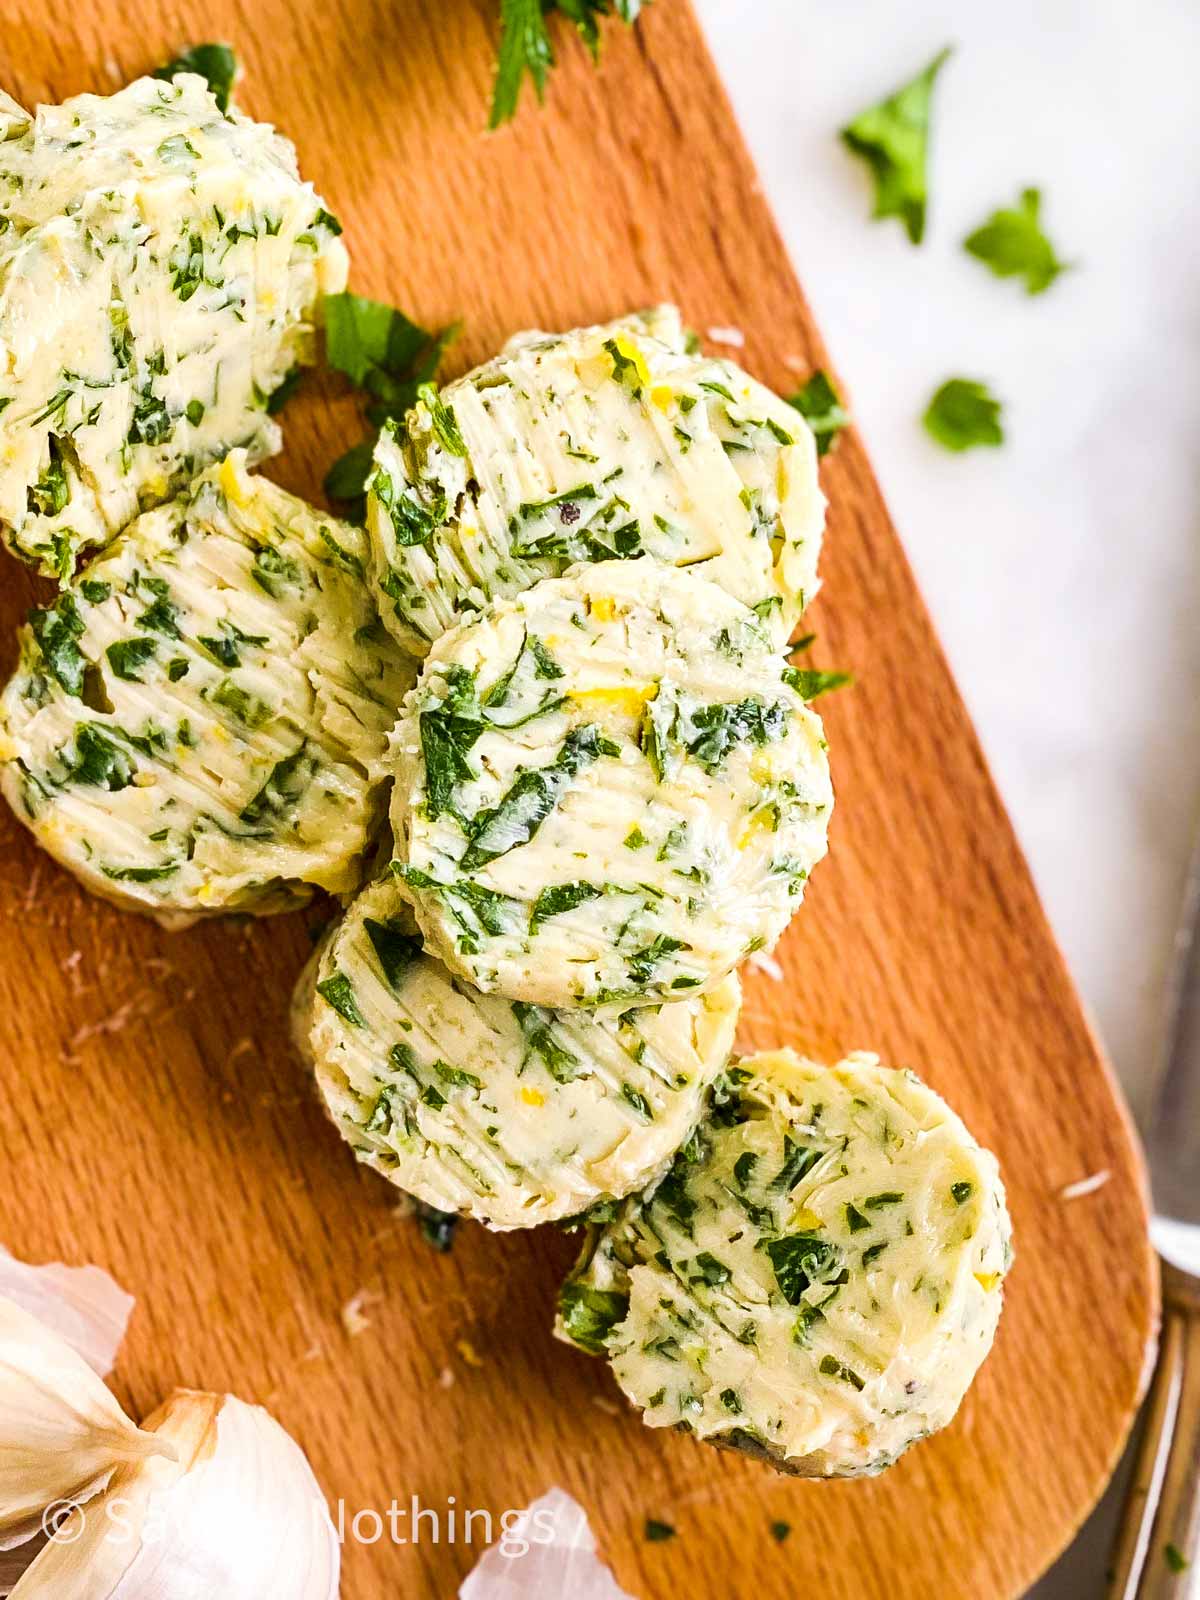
(525, 45)
(215, 63)
(388, 356)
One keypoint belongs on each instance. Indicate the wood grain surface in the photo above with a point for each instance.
(155, 1121)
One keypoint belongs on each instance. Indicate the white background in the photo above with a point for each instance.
(1063, 570)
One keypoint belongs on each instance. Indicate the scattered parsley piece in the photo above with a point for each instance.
(780, 1531)
(1175, 1558)
(658, 1532)
(819, 403)
(893, 139)
(437, 1227)
(809, 682)
(215, 63)
(962, 414)
(961, 1192)
(1011, 243)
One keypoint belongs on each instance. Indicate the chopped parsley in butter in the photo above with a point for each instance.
(608, 793)
(161, 265)
(604, 443)
(198, 724)
(506, 1112)
(817, 1279)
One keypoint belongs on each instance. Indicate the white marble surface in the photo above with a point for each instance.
(1063, 570)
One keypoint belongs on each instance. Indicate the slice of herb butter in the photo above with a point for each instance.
(198, 723)
(817, 1279)
(606, 442)
(608, 791)
(160, 267)
(499, 1110)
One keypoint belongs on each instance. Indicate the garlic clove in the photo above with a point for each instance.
(64, 1432)
(549, 1552)
(237, 1514)
(81, 1304)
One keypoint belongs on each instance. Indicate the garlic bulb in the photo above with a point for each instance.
(81, 1304)
(64, 1433)
(232, 1511)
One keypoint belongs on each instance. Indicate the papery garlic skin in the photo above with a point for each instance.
(559, 1559)
(64, 1432)
(238, 1515)
(83, 1305)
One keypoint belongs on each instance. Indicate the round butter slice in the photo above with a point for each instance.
(608, 792)
(817, 1279)
(161, 266)
(199, 722)
(505, 1112)
(606, 442)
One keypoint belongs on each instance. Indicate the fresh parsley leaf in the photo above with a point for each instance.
(390, 357)
(819, 403)
(963, 414)
(347, 477)
(1012, 244)
(278, 397)
(893, 139)
(589, 1315)
(365, 338)
(215, 63)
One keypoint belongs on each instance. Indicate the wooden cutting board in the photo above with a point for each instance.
(155, 1121)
